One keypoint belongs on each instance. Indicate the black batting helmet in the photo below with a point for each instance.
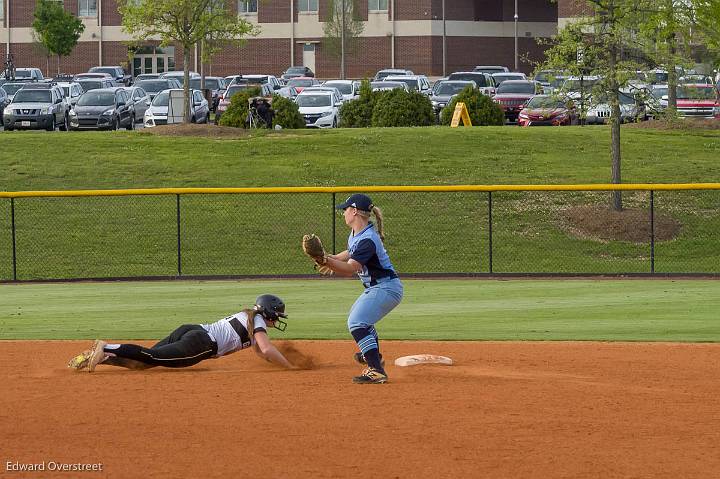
(271, 308)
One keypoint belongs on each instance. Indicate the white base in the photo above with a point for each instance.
(422, 359)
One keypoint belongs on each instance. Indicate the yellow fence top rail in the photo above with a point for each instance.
(365, 189)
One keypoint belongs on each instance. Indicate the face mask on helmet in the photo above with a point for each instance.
(272, 308)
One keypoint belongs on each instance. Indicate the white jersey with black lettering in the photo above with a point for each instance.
(228, 341)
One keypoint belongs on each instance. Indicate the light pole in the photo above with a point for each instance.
(444, 42)
(342, 42)
(516, 35)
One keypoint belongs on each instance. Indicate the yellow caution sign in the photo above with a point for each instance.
(460, 113)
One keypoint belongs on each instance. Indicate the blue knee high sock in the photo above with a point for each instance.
(367, 342)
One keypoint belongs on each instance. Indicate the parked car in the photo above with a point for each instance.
(501, 77)
(4, 101)
(216, 85)
(545, 77)
(37, 106)
(72, 91)
(575, 87)
(88, 84)
(379, 76)
(300, 83)
(103, 109)
(289, 92)
(491, 69)
(418, 83)
(157, 114)
(600, 110)
(512, 95)
(153, 87)
(657, 75)
(94, 76)
(319, 108)
(28, 75)
(294, 72)
(274, 82)
(696, 101)
(483, 80)
(147, 76)
(348, 88)
(336, 93)
(139, 100)
(12, 87)
(179, 76)
(388, 85)
(654, 101)
(444, 90)
(545, 110)
(116, 72)
(696, 79)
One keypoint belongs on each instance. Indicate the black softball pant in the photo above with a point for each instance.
(187, 345)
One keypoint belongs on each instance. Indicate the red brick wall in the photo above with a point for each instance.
(21, 13)
(83, 57)
(372, 54)
(268, 56)
(573, 8)
(413, 9)
(110, 14)
(273, 11)
(464, 53)
(361, 9)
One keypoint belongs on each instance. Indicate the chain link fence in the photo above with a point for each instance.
(427, 232)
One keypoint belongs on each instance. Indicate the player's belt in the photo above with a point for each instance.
(241, 331)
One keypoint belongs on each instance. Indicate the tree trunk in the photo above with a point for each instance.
(186, 83)
(58, 66)
(615, 111)
(672, 49)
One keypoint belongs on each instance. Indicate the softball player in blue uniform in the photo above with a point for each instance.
(367, 258)
(191, 343)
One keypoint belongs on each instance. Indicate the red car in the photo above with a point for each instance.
(697, 101)
(546, 110)
(300, 83)
(512, 95)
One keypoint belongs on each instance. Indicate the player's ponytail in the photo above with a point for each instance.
(379, 222)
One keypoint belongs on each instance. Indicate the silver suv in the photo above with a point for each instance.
(37, 106)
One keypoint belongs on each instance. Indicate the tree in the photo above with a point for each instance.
(603, 43)
(342, 30)
(187, 23)
(55, 29)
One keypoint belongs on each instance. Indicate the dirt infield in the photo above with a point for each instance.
(530, 410)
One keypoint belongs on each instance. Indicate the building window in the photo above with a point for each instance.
(87, 8)
(377, 5)
(2, 12)
(308, 5)
(247, 6)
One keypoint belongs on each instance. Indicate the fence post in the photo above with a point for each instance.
(179, 257)
(652, 231)
(14, 250)
(332, 211)
(490, 233)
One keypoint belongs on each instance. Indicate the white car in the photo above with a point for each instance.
(349, 89)
(630, 110)
(338, 96)
(319, 108)
(157, 113)
(72, 91)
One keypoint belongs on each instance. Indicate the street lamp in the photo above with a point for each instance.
(516, 35)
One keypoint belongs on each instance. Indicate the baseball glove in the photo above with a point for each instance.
(312, 246)
(324, 269)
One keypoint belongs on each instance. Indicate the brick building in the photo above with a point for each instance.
(433, 37)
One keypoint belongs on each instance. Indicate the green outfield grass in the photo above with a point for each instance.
(612, 310)
(224, 235)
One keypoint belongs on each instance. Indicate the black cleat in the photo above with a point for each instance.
(371, 376)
